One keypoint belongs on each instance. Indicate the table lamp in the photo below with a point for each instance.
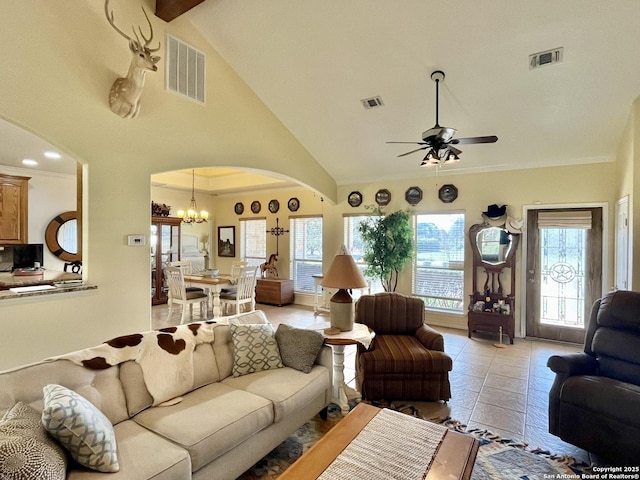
(343, 274)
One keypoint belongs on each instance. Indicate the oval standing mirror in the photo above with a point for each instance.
(494, 245)
(61, 236)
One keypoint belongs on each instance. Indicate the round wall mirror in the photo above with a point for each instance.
(494, 245)
(61, 236)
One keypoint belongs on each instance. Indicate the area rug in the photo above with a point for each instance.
(498, 458)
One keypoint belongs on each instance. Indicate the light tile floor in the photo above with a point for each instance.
(503, 390)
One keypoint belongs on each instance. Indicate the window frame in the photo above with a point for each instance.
(295, 261)
(252, 260)
(456, 265)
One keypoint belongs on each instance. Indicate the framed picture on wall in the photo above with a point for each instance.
(227, 241)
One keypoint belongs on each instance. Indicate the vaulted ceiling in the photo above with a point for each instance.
(312, 62)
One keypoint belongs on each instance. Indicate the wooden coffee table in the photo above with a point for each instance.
(454, 458)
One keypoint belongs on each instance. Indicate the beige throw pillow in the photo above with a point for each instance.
(254, 349)
(26, 451)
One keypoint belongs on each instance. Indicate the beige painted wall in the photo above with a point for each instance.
(57, 68)
(593, 183)
(58, 65)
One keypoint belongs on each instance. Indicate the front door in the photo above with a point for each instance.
(564, 271)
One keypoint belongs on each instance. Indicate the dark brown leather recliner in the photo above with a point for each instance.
(406, 360)
(594, 402)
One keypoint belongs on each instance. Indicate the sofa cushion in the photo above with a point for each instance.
(142, 455)
(26, 451)
(254, 348)
(81, 428)
(209, 421)
(288, 389)
(603, 396)
(403, 354)
(299, 347)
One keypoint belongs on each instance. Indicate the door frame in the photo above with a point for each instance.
(523, 251)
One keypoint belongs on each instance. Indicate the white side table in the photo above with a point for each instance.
(318, 293)
(360, 334)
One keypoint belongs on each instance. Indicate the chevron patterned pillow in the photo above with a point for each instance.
(80, 428)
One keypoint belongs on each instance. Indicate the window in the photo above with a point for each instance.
(306, 251)
(253, 241)
(438, 273)
(355, 246)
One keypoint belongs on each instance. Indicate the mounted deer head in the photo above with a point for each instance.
(124, 97)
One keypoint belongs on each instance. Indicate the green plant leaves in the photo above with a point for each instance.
(388, 245)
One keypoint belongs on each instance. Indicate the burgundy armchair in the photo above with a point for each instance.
(406, 360)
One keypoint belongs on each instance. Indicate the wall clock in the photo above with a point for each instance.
(413, 195)
(238, 208)
(294, 204)
(383, 197)
(354, 199)
(255, 206)
(448, 193)
(274, 206)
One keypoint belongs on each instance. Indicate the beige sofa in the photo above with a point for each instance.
(219, 428)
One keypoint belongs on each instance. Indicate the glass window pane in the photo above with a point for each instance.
(253, 241)
(306, 249)
(438, 276)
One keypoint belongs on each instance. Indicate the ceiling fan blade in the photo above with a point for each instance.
(455, 150)
(488, 139)
(416, 143)
(414, 151)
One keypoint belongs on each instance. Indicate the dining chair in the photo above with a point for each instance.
(186, 267)
(236, 268)
(245, 291)
(178, 294)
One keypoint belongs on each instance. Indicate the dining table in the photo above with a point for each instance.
(214, 284)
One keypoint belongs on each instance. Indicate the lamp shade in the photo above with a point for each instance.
(343, 272)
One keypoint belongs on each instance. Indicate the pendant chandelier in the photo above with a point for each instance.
(192, 215)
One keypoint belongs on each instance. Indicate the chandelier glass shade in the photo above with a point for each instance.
(192, 215)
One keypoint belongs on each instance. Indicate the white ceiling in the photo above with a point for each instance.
(312, 62)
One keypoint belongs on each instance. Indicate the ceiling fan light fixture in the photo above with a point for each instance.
(450, 157)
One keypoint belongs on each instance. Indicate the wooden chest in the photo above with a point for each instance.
(274, 291)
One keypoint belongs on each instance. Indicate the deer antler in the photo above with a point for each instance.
(111, 20)
(147, 41)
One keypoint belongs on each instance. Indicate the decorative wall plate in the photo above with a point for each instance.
(294, 204)
(238, 208)
(255, 206)
(383, 197)
(448, 193)
(413, 195)
(274, 206)
(355, 199)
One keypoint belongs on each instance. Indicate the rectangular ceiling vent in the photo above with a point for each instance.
(373, 102)
(185, 71)
(547, 57)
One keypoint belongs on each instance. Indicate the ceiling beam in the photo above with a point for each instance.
(168, 10)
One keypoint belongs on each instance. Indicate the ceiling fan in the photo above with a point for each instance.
(439, 140)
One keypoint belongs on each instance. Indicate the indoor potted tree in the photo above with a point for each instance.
(388, 245)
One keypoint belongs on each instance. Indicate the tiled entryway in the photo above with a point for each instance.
(503, 390)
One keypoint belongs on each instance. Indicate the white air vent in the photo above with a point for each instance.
(372, 102)
(547, 57)
(185, 70)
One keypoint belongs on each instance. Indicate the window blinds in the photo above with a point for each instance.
(565, 219)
